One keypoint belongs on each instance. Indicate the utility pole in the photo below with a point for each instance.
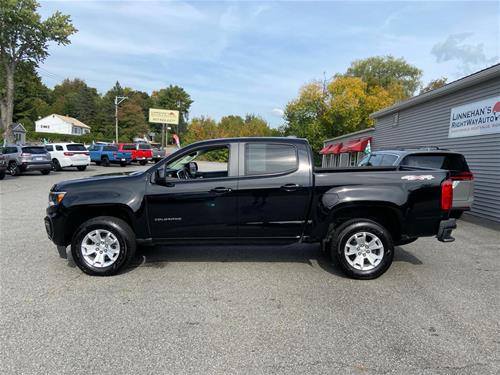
(118, 100)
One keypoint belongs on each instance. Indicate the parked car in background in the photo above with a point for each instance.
(21, 159)
(141, 152)
(3, 166)
(431, 157)
(158, 152)
(66, 155)
(109, 154)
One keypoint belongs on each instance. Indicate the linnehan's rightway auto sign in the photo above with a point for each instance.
(477, 118)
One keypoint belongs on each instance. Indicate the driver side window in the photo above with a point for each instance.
(215, 160)
(210, 162)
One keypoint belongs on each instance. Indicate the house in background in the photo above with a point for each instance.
(19, 133)
(61, 125)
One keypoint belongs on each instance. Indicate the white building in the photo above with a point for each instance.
(61, 125)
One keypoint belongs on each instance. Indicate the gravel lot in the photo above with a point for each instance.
(257, 310)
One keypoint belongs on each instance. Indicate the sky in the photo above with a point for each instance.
(253, 57)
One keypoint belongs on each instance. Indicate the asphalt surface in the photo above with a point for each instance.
(249, 310)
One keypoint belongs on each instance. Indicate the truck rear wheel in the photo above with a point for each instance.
(363, 249)
(105, 161)
(143, 162)
(103, 246)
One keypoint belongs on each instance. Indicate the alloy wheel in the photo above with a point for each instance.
(100, 248)
(364, 251)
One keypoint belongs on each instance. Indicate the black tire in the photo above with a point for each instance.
(143, 162)
(97, 163)
(14, 169)
(124, 235)
(157, 160)
(45, 172)
(81, 167)
(105, 161)
(2, 174)
(345, 232)
(56, 165)
(123, 164)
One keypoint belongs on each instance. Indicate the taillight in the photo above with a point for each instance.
(68, 154)
(462, 176)
(86, 153)
(446, 195)
(25, 155)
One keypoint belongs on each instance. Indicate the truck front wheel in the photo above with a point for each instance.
(363, 249)
(103, 246)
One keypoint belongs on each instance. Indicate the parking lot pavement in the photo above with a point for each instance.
(254, 310)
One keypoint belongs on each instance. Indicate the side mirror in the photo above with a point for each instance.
(160, 177)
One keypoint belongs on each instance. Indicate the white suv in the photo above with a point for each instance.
(68, 155)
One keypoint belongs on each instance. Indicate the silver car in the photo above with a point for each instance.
(21, 159)
(158, 152)
(432, 157)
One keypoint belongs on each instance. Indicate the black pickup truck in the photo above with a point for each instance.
(250, 190)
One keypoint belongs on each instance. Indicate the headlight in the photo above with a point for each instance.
(56, 197)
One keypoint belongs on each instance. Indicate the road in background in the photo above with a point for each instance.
(240, 309)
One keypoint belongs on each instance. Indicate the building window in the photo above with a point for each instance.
(353, 159)
(77, 130)
(395, 119)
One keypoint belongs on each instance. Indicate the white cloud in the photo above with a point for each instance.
(469, 57)
(278, 112)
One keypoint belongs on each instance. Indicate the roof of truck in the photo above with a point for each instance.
(254, 139)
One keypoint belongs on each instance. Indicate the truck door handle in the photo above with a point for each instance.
(221, 190)
(291, 187)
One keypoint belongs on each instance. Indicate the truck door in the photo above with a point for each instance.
(200, 205)
(273, 190)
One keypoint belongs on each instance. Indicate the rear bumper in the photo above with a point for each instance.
(445, 229)
(28, 166)
(69, 162)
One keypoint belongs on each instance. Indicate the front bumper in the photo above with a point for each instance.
(445, 229)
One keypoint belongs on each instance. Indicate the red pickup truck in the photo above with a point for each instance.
(141, 152)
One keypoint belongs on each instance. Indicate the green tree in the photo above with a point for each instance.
(434, 84)
(201, 128)
(74, 98)
(32, 98)
(329, 110)
(398, 77)
(175, 98)
(131, 121)
(104, 124)
(304, 116)
(24, 37)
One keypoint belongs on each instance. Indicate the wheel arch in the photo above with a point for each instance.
(76, 216)
(387, 214)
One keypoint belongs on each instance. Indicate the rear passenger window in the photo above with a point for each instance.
(389, 159)
(451, 162)
(269, 158)
(110, 148)
(59, 148)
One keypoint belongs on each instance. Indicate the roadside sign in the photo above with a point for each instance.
(163, 116)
